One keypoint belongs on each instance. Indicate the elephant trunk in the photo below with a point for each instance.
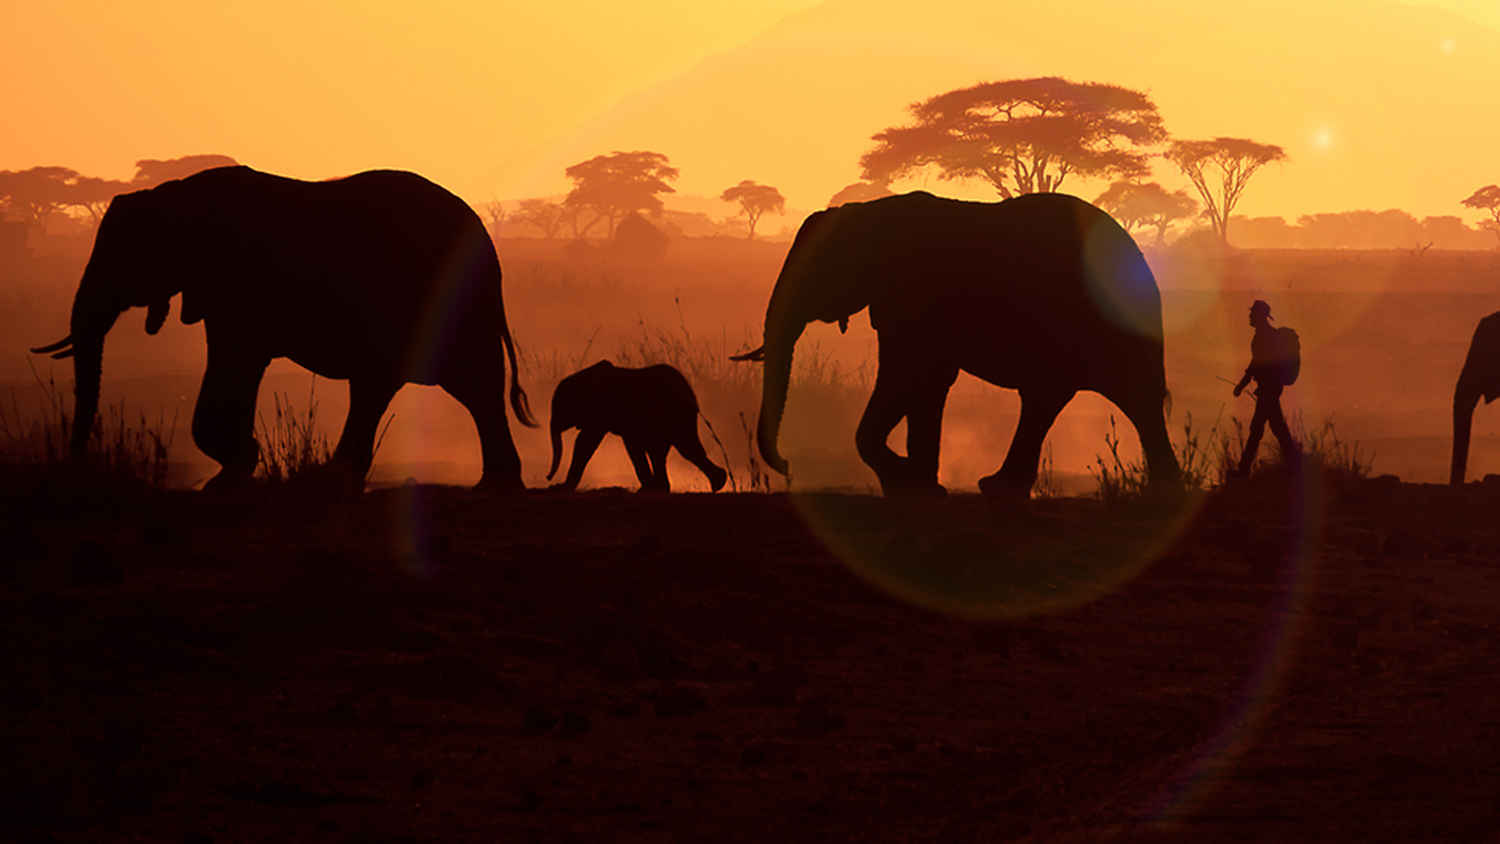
(88, 364)
(776, 379)
(1465, 399)
(94, 313)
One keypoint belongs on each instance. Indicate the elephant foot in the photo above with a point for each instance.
(227, 481)
(509, 485)
(928, 490)
(1000, 487)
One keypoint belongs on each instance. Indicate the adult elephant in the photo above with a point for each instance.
(1479, 377)
(1043, 293)
(382, 278)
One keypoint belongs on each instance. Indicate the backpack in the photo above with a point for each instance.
(1287, 353)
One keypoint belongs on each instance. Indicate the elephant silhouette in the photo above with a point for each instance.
(1042, 293)
(382, 278)
(652, 409)
(1479, 377)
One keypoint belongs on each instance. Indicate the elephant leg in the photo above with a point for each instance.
(924, 428)
(485, 401)
(368, 400)
(1017, 475)
(224, 417)
(1146, 414)
(584, 446)
(657, 453)
(642, 464)
(691, 448)
(898, 385)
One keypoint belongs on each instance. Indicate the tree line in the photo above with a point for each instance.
(1019, 136)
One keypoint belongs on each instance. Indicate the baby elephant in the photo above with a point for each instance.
(652, 409)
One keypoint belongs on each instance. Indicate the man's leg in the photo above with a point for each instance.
(1290, 453)
(1257, 428)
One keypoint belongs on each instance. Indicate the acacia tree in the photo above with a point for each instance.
(1487, 198)
(1229, 161)
(93, 195)
(34, 194)
(614, 185)
(546, 216)
(859, 192)
(1135, 204)
(150, 172)
(494, 217)
(754, 201)
(1022, 135)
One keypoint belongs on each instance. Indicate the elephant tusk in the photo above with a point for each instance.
(65, 353)
(754, 354)
(52, 347)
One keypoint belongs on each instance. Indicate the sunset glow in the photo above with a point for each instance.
(496, 99)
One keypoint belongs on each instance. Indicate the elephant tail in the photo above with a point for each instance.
(518, 401)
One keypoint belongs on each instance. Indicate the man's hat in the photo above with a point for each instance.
(1260, 306)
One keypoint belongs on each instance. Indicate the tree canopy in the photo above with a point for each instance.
(1228, 161)
(1487, 198)
(34, 194)
(150, 172)
(1022, 135)
(1135, 204)
(614, 185)
(859, 192)
(755, 200)
(547, 216)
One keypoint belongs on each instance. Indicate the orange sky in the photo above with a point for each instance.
(492, 99)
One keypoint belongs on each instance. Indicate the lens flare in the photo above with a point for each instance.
(971, 557)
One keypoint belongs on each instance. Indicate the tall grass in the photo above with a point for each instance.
(122, 448)
(1211, 458)
(1118, 479)
(292, 443)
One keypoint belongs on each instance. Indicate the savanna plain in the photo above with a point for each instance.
(1297, 656)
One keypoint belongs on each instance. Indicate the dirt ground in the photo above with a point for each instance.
(1277, 661)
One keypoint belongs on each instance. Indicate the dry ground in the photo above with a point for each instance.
(1274, 662)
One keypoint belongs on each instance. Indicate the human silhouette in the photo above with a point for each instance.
(652, 409)
(1274, 361)
(382, 278)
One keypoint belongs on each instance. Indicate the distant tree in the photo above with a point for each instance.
(636, 239)
(1264, 233)
(1359, 230)
(494, 216)
(150, 172)
(1135, 204)
(1229, 161)
(33, 195)
(93, 195)
(612, 186)
(1450, 232)
(860, 192)
(1487, 198)
(1022, 135)
(754, 201)
(546, 216)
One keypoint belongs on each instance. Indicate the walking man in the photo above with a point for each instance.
(1275, 359)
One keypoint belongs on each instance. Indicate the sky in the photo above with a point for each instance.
(492, 99)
